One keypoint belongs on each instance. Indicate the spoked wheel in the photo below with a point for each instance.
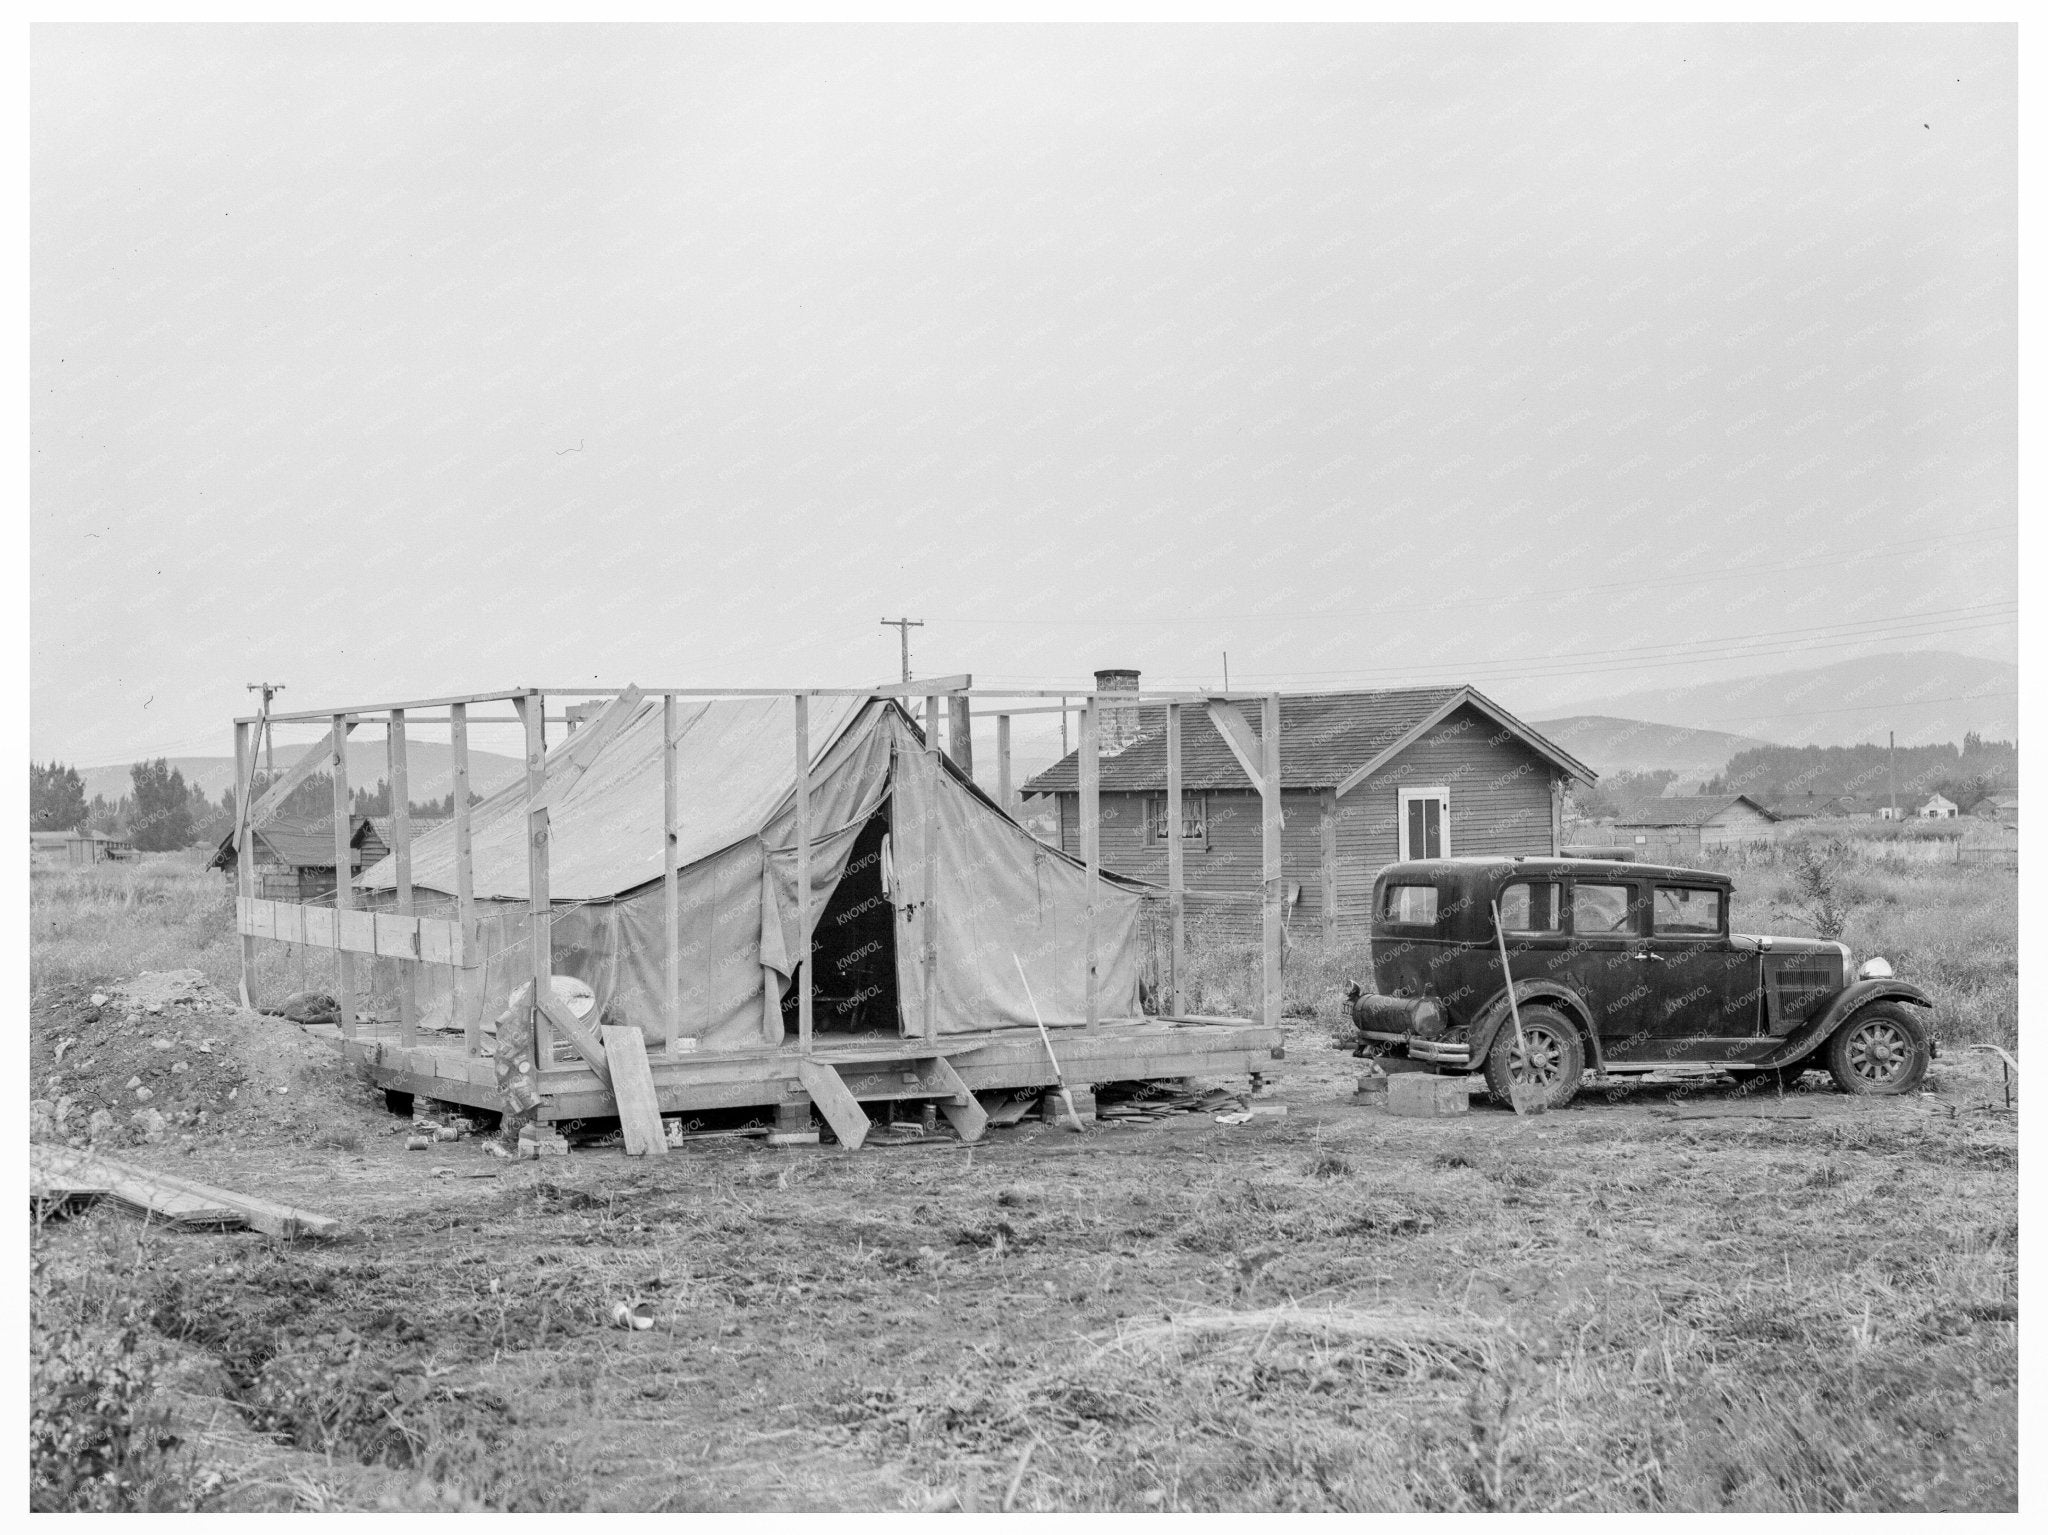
(1881, 1051)
(1550, 1055)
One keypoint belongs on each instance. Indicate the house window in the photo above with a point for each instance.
(1194, 820)
(1425, 823)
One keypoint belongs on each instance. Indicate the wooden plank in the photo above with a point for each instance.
(960, 731)
(1003, 764)
(671, 900)
(245, 850)
(955, 683)
(136, 1188)
(309, 716)
(398, 782)
(625, 1052)
(356, 932)
(344, 885)
(587, 1044)
(539, 908)
(317, 756)
(1091, 841)
(1176, 869)
(962, 1109)
(396, 937)
(803, 872)
(927, 925)
(1273, 866)
(468, 1005)
(1326, 841)
(320, 926)
(846, 1117)
(1230, 724)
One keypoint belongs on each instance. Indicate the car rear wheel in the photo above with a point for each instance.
(1882, 1050)
(1552, 1056)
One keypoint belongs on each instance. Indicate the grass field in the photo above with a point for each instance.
(1665, 1301)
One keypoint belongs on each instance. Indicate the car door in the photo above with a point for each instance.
(1604, 916)
(1706, 1003)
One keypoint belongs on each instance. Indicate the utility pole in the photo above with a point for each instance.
(1892, 767)
(267, 689)
(1226, 671)
(903, 626)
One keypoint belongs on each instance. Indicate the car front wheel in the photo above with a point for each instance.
(1550, 1055)
(1881, 1050)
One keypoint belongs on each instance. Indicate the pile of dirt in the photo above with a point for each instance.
(168, 1059)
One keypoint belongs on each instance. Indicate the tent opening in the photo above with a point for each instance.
(853, 949)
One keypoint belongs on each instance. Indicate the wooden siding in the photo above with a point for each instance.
(1500, 802)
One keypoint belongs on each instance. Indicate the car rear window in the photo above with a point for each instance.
(1678, 910)
(1410, 905)
(1598, 909)
(1531, 906)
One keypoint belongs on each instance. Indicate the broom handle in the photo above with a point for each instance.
(1508, 975)
(1058, 1075)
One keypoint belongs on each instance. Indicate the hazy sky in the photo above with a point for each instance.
(396, 362)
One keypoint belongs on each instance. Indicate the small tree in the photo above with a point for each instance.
(56, 797)
(163, 807)
(1823, 893)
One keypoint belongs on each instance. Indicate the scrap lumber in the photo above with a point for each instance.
(182, 1201)
(625, 1052)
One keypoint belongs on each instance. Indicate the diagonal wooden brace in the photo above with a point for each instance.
(1230, 724)
(849, 1121)
(582, 1038)
(962, 1109)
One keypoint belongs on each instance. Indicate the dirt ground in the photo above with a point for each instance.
(1664, 1300)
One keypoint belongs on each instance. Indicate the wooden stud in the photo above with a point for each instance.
(625, 1053)
(1176, 870)
(399, 782)
(671, 900)
(344, 888)
(1091, 840)
(933, 735)
(1326, 828)
(1003, 764)
(468, 1002)
(803, 872)
(1269, 799)
(928, 938)
(960, 718)
(539, 907)
(245, 850)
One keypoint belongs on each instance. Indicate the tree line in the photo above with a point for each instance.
(162, 812)
(1965, 773)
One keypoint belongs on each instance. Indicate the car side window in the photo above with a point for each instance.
(1410, 905)
(1531, 906)
(1601, 909)
(1680, 911)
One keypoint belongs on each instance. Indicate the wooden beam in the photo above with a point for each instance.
(312, 716)
(1176, 869)
(803, 872)
(539, 906)
(957, 682)
(927, 911)
(556, 1012)
(1275, 886)
(468, 1001)
(388, 935)
(344, 886)
(245, 851)
(841, 1110)
(318, 755)
(934, 736)
(399, 782)
(1091, 843)
(1326, 830)
(1003, 764)
(1230, 724)
(671, 900)
(960, 723)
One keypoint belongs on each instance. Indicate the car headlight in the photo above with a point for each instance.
(1875, 968)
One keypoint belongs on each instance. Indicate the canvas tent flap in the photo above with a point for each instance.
(735, 764)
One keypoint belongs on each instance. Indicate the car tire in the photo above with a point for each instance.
(1555, 1044)
(1881, 1051)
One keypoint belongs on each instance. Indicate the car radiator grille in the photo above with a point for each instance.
(1797, 990)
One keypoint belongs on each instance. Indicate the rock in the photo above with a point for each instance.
(160, 1043)
(154, 1009)
(143, 1095)
(42, 1119)
(178, 1067)
(149, 1124)
(99, 999)
(133, 1083)
(1420, 1095)
(100, 1124)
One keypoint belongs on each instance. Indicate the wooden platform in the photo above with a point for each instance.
(872, 1069)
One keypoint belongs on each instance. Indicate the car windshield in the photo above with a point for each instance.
(1598, 909)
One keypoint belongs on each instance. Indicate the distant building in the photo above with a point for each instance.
(78, 847)
(295, 859)
(1939, 807)
(2002, 808)
(1680, 827)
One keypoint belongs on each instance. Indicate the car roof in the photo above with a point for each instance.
(1610, 868)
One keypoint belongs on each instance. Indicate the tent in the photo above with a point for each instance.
(923, 887)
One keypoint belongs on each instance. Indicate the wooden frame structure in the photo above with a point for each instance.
(835, 1078)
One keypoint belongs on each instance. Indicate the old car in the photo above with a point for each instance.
(1620, 970)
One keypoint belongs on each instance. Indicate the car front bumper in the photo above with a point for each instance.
(1442, 1052)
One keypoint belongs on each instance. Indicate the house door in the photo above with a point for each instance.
(1425, 823)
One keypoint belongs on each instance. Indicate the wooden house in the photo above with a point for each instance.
(1678, 828)
(1368, 778)
(1938, 807)
(294, 860)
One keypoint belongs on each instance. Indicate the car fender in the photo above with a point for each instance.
(1494, 1016)
(1808, 1038)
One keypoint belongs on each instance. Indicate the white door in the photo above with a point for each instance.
(1426, 822)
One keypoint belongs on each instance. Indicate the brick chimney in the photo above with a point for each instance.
(1116, 724)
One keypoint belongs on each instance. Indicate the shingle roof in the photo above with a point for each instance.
(1324, 739)
(1685, 810)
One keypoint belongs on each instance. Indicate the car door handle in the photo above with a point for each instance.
(1646, 954)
